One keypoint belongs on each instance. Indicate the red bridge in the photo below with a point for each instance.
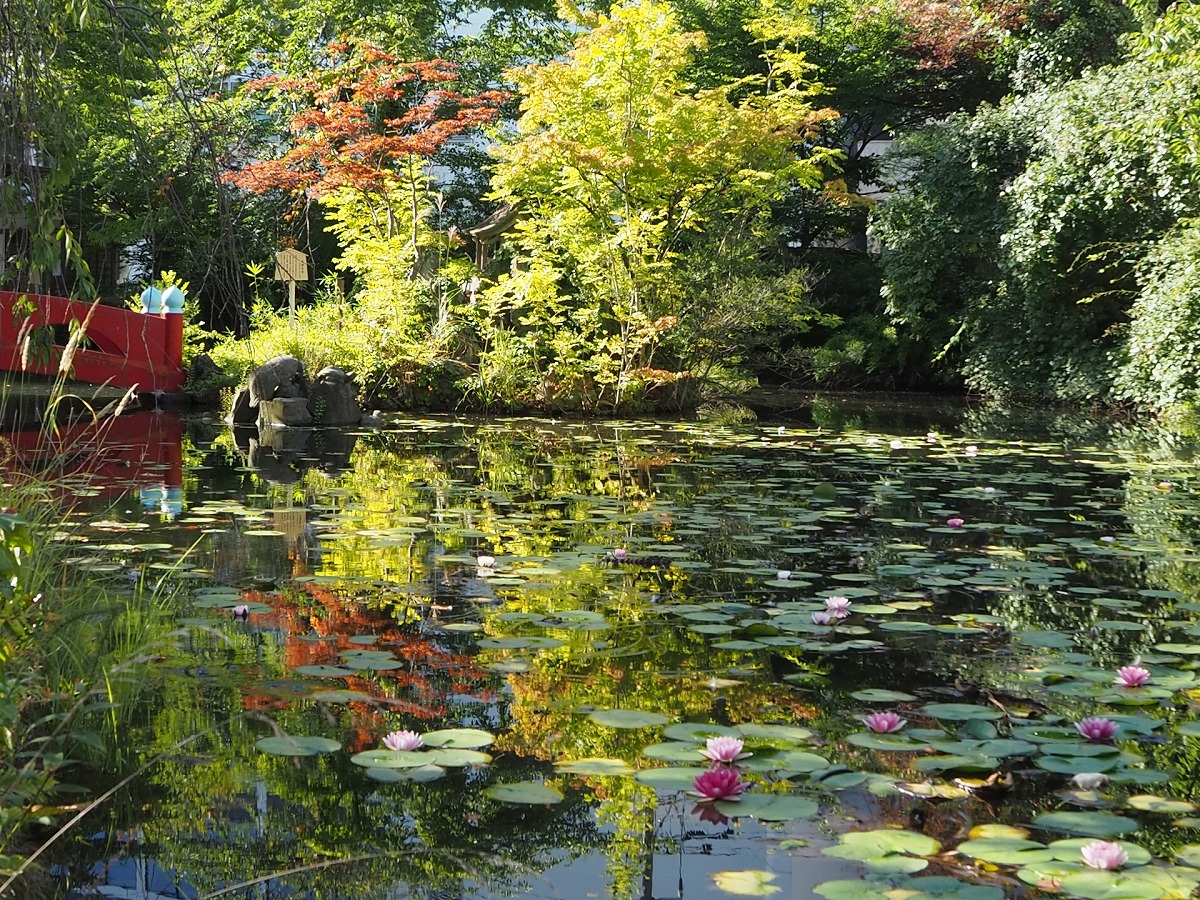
(123, 348)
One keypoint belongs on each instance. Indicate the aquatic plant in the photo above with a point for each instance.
(719, 783)
(1132, 676)
(1097, 729)
(838, 606)
(1104, 855)
(884, 722)
(403, 740)
(724, 749)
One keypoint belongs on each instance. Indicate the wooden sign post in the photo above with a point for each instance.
(291, 266)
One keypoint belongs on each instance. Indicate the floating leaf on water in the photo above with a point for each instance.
(594, 766)
(882, 695)
(421, 774)
(1152, 803)
(673, 778)
(773, 732)
(961, 712)
(1096, 824)
(453, 757)
(524, 792)
(1099, 884)
(685, 751)
(1009, 851)
(297, 745)
(890, 743)
(459, 738)
(340, 697)
(747, 883)
(383, 758)
(324, 671)
(770, 807)
(628, 718)
(697, 731)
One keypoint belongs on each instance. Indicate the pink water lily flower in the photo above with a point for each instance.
(719, 783)
(485, 562)
(838, 606)
(821, 617)
(1103, 855)
(783, 574)
(619, 554)
(1097, 729)
(724, 749)
(1132, 676)
(403, 740)
(955, 522)
(897, 444)
(241, 611)
(971, 450)
(884, 722)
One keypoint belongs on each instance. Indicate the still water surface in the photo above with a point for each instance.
(650, 585)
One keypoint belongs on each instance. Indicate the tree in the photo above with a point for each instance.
(367, 128)
(1065, 210)
(629, 181)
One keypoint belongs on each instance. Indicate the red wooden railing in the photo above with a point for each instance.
(126, 349)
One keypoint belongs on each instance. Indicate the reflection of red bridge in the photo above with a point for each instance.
(134, 450)
(124, 348)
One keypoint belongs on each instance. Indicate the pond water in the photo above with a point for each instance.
(567, 612)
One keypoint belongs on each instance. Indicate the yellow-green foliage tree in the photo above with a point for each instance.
(644, 242)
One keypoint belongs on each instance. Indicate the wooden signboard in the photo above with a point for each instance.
(291, 266)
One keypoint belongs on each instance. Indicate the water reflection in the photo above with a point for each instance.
(349, 545)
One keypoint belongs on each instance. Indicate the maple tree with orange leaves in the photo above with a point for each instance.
(361, 119)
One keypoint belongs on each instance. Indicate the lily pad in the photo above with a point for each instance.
(1097, 824)
(296, 745)
(459, 738)
(594, 766)
(628, 718)
(524, 792)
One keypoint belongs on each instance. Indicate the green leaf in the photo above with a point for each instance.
(524, 792)
(296, 745)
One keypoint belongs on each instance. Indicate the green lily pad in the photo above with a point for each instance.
(296, 745)
(594, 766)
(697, 731)
(787, 733)
(1096, 824)
(961, 712)
(1152, 803)
(881, 695)
(770, 807)
(1106, 885)
(324, 671)
(454, 757)
(524, 792)
(459, 738)
(674, 778)
(628, 718)
(674, 751)
(1006, 851)
(420, 775)
(382, 758)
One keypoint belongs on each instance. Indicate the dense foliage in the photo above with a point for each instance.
(682, 201)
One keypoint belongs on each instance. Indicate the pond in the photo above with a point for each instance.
(568, 614)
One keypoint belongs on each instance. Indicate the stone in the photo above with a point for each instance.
(333, 398)
(279, 378)
(241, 412)
(284, 412)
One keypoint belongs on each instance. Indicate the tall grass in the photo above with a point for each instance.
(72, 650)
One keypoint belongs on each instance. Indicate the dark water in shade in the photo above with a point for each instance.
(357, 555)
